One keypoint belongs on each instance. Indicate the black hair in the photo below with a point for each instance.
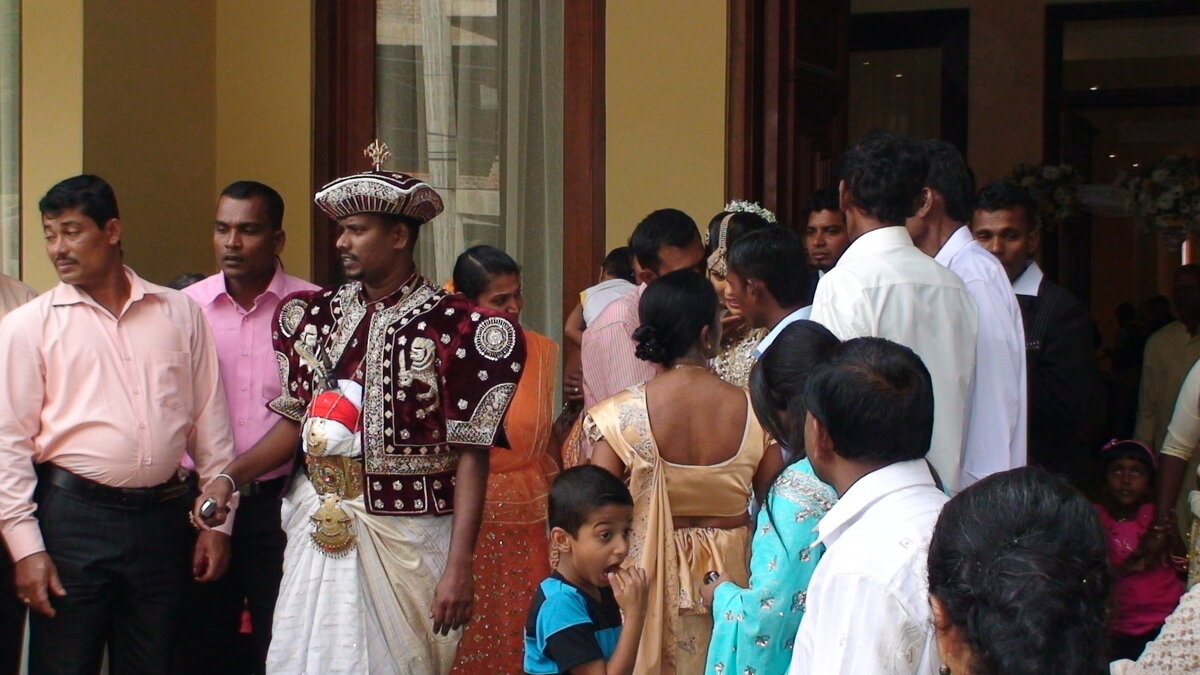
(777, 383)
(1003, 195)
(875, 398)
(740, 223)
(778, 378)
(885, 174)
(1019, 564)
(952, 178)
(664, 227)
(579, 491)
(825, 199)
(619, 264)
(392, 220)
(252, 189)
(477, 266)
(673, 310)
(774, 256)
(91, 194)
(184, 280)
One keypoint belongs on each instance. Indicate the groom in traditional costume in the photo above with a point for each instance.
(395, 391)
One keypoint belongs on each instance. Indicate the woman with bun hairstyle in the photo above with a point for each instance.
(511, 554)
(1019, 579)
(753, 627)
(690, 447)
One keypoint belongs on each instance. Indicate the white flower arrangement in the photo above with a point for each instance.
(739, 206)
(1055, 187)
(1166, 195)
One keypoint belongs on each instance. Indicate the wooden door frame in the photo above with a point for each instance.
(767, 157)
(344, 123)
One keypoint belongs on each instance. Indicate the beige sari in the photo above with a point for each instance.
(678, 626)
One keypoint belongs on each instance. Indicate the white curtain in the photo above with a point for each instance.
(469, 97)
(10, 137)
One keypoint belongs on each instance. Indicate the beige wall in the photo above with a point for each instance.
(148, 127)
(665, 110)
(52, 117)
(264, 109)
(169, 102)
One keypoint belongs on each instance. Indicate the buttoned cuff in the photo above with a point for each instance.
(24, 539)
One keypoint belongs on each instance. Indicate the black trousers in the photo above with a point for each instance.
(124, 570)
(12, 617)
(209, 640)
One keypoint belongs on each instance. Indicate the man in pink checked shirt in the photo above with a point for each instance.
(239, 303)
(107, 381)
(665, 241)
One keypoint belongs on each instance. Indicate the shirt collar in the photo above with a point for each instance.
(68, 294)
(957, 242)
(1030, 280)
(208, 290)
(802, 313)
(868, 490)
(869, 243)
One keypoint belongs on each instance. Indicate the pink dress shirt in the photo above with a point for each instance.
(609, 364)
(247, 358)
(117, 400)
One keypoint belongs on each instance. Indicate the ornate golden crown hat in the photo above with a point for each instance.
(379, 191)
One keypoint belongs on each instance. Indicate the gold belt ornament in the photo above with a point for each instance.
(334, 478)
(335, 474)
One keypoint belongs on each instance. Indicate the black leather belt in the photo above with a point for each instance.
(271, 489)
(113, 497)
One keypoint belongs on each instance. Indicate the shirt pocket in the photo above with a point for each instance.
(171, 378)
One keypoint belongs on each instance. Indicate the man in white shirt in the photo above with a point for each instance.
(870, 418)
(885, 287)
(766, 282)
(996, 410)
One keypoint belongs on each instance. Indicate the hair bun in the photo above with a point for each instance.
(649, 346)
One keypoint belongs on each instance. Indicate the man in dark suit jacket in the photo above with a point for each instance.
(1058, 334)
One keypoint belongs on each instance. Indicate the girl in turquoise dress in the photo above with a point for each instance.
(753, 628)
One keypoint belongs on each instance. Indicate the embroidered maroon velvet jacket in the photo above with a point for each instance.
(437, 374)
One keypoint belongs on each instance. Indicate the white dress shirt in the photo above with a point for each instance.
(996, 411)
(868, 601)
(884, 286)
(802, 313)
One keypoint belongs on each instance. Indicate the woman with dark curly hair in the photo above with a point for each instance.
(689, 447)
(1018, 578)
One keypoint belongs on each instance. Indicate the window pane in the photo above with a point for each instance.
(10, 137)
(1131, 53)
(898, 90)
(468, 97)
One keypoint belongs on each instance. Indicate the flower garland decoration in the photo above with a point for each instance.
(1166, 195)
(1055, 187)
(739, 206)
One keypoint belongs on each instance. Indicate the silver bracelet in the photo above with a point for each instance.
(228, 478)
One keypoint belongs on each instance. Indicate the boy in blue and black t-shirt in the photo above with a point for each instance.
(574, 623)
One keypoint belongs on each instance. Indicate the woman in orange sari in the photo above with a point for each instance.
(511, 553)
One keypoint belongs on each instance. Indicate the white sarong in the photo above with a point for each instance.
(367, 611)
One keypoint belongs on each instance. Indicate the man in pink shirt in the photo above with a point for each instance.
(239, 303)
(665, 241)
(107, 381)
